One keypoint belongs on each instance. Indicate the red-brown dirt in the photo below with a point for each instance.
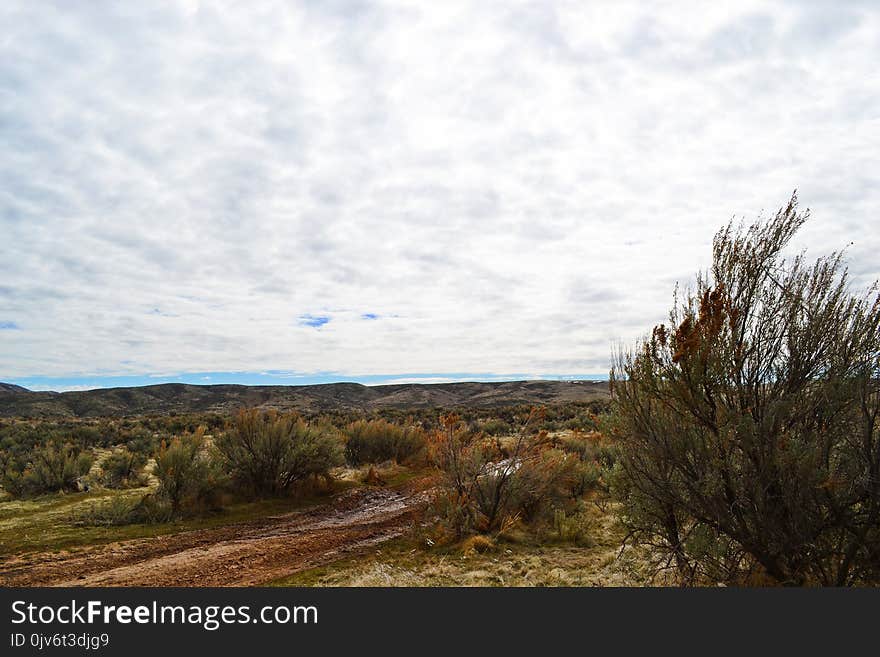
(243, 554)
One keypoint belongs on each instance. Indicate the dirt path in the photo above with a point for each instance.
(243, 554)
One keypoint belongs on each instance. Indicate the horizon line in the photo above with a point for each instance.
(271, 378)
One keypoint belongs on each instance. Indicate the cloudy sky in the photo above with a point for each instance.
(325, 190)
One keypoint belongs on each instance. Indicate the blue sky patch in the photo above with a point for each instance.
(315, 321)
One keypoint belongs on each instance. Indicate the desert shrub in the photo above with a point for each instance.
(12, 465)
(542, 482)
(477, 543)
(584, 477)
(110, 513)
(151, 509)
(495, 427)
(141, 441)
(124, 469)
(118, 511)
(45, 469)
(375, 441)
(491, 421)
(582, 445)
(486, 483)
(189, 479)
(373, 478)
(749, 436)
(571, 527)
(595, 455)
(576, 424)
(269, 454)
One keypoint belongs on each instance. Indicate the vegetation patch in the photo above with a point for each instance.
(530, 560)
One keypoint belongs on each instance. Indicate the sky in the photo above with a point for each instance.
(404, 191)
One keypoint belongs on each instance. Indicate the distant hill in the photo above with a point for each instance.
(11, 387)
(182, 398)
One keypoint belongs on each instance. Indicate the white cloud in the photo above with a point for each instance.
(510, 187)
(64, 388)
(423, 380)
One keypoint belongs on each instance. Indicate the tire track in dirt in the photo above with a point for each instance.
(244, 554)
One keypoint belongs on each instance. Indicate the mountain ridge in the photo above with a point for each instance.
(11, 387)
(168, 398)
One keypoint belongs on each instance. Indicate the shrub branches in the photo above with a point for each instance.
(749, 425)
(488, 482)
(48, 468)
(188, 476)
(270, 453)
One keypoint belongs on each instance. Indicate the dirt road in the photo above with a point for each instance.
(244, 554)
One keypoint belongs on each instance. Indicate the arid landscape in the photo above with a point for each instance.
(370, 526)
(360, 293)
(364, 536)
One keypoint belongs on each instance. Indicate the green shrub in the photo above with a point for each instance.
(375, 441)
(123, 469)
(189, 479)
(110, 513)
(45, 469)
(270, 454)
(542, 482)
(151, 509)
(141, 441)
(749, 426)
(584, 477)
(595, 456)
(12, 466)
(572, 527)
(496, 427)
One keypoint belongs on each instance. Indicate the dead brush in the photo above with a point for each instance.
(485, 481)
(372, 478)
(477, 543)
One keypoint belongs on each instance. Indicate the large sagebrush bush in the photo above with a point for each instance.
(748, 425)
(189, 477)
(46, 468)
(123, 468)
(270, 454)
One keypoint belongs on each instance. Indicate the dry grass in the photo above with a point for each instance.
(481, 561)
